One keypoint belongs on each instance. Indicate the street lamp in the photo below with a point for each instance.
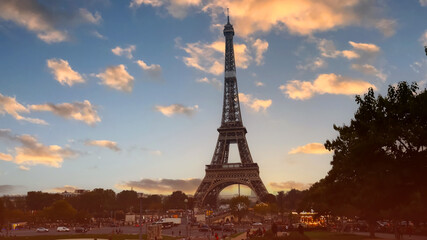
(186, 215)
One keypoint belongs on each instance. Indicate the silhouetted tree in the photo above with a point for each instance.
(379, 159)
(239, 206)
(61, 210)
(176, 200)
(127, 200)
(39, 200)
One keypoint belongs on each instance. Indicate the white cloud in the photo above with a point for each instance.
(127, 52)
(12, 107)
(259, 84)
(162, 186)
(311, 148)
(177, 8)
(254, 103)
(32, 152)
(80, 111)
(103, 143)
(89, 17)
(153, 70)
(117, 77)
(63, 72)
(313, 64)
(370, 70)
(173, 109)
(98, 35)
(214, 82)
(325, 84)
(261, 47)
(386, 26)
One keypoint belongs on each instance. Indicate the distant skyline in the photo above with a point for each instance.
(128, 94)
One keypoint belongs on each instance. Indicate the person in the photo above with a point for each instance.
(179, 232)
(300, 229)
(172, 232)
(274, 229)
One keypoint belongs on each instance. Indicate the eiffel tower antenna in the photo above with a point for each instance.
(219, 173)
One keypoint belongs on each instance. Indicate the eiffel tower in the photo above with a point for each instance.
(221, 174)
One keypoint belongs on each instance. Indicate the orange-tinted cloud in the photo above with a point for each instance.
(103, 143)
(32, 152)
(127, 52)
(311, 148)
(6, 157)
(117, 77)
(173, 109)
(153, 70)
(214, 82)
(162, 186)
(286, 186)
(254, 103)
(63, 72)
(80, 111)
(12, 107)
(325, 84)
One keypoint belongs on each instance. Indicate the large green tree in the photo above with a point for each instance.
(239, 206)
(380, 158)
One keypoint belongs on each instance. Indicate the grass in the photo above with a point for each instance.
(101, 236)
(333, 236)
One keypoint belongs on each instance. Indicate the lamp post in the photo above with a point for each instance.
(140, 196)
(186, 215)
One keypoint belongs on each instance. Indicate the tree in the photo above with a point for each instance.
(239, 206)
(61, 210)
(127, 200)
(39, 200)
(380, 157)
(176, 200)
(2, 210)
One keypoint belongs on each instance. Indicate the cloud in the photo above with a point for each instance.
(24, 168)
(261, 47)
(12, 107)
(117, 77)
(44, 20)
(423, 3)
(63, 72)
(300, 17)
(103, 143)
(367, 47)
(259, 84)
(80, 111)
(31, 152)
(6, 157)
(162, 186)
(66, 188)
(173, 109)
(209, 57)
(153, 70)
(89, 17)
(369, 70)
(327, 49)
(311, 148)
(325, 84)
(127, 52)
(289, 185)
(214, 82)
(423, 38)
(254, 103)
(313, 64)
(176, 8)
(7, 188)
(98, 35)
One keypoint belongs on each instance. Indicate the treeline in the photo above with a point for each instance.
(99, 203)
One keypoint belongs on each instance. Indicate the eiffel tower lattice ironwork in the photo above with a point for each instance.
(221, 174)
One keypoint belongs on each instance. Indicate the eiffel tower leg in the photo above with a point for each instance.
(245, 154)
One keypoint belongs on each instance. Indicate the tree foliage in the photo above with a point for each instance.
(380, 158)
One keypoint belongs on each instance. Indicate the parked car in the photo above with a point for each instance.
(204, 228)
(216, 227)
(228, 227)
(42, 229)
(62, 229)
(80, 230)
(257, 224)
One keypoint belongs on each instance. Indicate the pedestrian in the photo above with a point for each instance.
(179, 233)
(172, 232)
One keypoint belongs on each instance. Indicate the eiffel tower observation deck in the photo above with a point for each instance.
(219, 173)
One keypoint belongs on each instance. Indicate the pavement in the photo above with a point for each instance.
(391, 236)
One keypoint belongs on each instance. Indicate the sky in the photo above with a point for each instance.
(128, 94)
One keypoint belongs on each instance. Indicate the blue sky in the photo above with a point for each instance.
(128, 94)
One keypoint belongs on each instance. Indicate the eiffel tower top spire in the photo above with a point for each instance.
(231, 115)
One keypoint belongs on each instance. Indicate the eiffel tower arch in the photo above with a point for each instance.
(219, 173)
